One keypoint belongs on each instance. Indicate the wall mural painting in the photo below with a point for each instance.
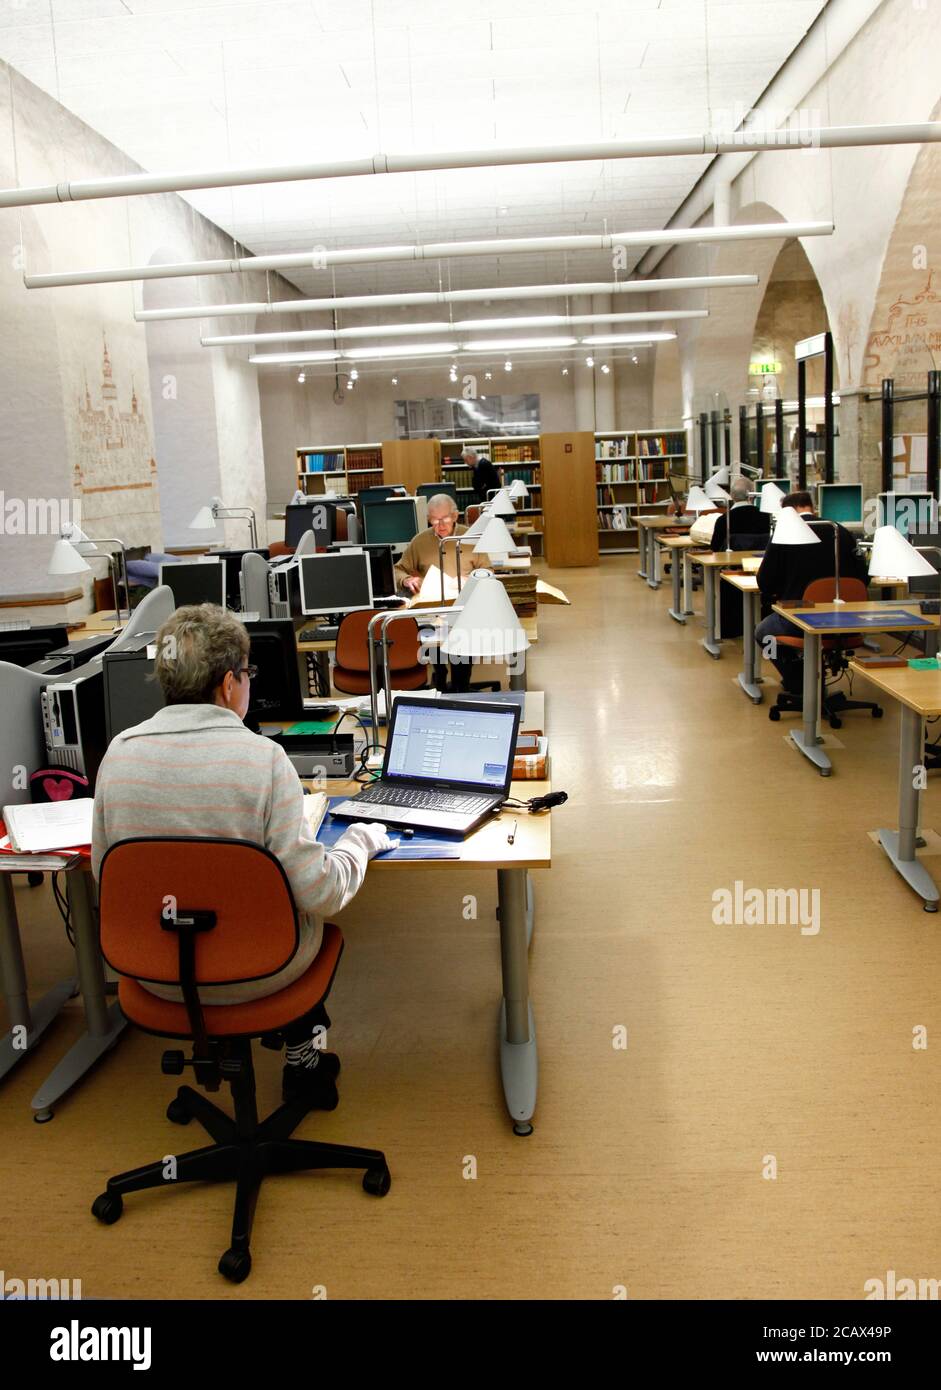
(908, 345)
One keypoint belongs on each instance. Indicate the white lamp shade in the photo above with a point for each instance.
(771, 498)
(65, 559)
(487, 626)
(501, 504)
(697, 501)
(790, 528)
(722, 477)
(893, 557)
(518, 488)
(712, 489)
(495, 538)
(472, 580)
(478, 528)
(203, 520)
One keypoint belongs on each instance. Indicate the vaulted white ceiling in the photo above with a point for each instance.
(181, 84)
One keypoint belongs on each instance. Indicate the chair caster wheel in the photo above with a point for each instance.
(108, 1207)
(774, 714)
(236, 1265)
(177, 1112)
(523, 1128)
(931, 907)
(825, 771)
(377, 1181)
(835, 723)
(171, 1063)
(42, 1117)
(34, 880)
(878, 712)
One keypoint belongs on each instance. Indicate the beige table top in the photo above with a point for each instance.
(675, 542)
(660, 523)
(718, 559)
(487, 848)
(746, 582)
(793, 615)
(529, 624)
(920, 690)
(102, 621)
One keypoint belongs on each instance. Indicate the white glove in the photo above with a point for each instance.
(370, 836)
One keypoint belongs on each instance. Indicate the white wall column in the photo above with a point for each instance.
(604, 381)
(584, 376)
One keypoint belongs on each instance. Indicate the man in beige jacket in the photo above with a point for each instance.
(422, 551)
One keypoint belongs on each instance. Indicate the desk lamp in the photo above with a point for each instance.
(501, 504)
(771, 498)
(85, 545)
(487, 627)
(518, 489)
(894, 557)
(722, 477)
(697, 501)
(495, 540)
(206, 518)
(790, 528)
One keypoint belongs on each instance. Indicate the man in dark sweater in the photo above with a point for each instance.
(485, 476)
(750, 528)
(787, 570)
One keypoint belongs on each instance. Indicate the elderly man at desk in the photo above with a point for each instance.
(423, 553)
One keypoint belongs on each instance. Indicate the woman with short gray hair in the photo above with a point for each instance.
(195, 769)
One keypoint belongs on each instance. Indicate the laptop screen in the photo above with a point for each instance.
(434, 743)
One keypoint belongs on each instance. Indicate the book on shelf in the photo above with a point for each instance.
(520, 589)
(355, 482)
(614, 519)
(663, 444)
(364, 458)
(322, 463)
(611, 448)
(513, 453)
(460, 477)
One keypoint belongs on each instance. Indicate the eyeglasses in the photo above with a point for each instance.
(250, 671)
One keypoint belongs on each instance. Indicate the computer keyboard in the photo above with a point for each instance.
(423, 800)
(320, 633)
(15, 625)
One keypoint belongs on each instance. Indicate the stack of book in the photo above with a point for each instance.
(364, 458)
(521, 591)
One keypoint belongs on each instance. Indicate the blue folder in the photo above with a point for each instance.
(424, 844)
(892, 617)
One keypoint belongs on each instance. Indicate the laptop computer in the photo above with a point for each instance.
(448, 765)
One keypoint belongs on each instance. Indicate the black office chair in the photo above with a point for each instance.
(836, 652)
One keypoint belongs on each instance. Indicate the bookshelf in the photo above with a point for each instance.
(515, 458)
(343, 468)
(635, 471)
(568, 473)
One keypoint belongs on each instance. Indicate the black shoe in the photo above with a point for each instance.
(317, 1085)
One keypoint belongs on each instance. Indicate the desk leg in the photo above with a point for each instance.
(26, 1025)
(518, 1059)
(900, 845)
(653, 561)
(807, 739)
(518, 678)
(748, 678)
(709, 585)
(676, 612)
(104, 1025)
(642, 552)
(687, 584)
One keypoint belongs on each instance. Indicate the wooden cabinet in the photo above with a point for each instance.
(569, 508)
(411, 462)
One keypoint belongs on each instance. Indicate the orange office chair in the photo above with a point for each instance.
(836, 652)
(351, 672)
(471, 513)
(191, 913)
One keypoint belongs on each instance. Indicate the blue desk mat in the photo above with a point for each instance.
(424, 844)
(893, 617)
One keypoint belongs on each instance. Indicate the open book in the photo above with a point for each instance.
(53, 825)
(430, 591)
(315, 808)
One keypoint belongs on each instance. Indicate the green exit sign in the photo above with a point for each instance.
(765, 369)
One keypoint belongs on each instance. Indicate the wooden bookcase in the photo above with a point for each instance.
(411, 462)
(636, 472)
(516, 457)
(569, 507)
(347, 468)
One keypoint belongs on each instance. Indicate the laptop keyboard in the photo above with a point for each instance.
(418, 800)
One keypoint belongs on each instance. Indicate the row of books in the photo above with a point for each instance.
(617, 519)
(635, 471)
(663, 444)
(520, 588)
(460, 477)
(364, 458)
(355, 482)
(632, 446)
(513, 453)
(322, 463)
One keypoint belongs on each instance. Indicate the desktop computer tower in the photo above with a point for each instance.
(284, 590)
(73, 718)
(131, 691)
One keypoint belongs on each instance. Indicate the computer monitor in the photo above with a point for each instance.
(276, 690)
(338, 582)
(393, 521)
(783, 483)
(908, 511)
(380, 492)
(430, 490)
(233, 573)
(926, 583)
(317, 516)
(195, 581)
(381, 566)
(21, 646)
(840, 502)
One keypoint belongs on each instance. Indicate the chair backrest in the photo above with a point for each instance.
(353, 653)
(824, 590)
(472, 513)
(255, 570)
(150, 614)
(342, 524)
(146, 882)
(22, 743)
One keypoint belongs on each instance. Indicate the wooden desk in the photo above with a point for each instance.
(677, 546)
(748, 678)
(712, 562)
(647, 526)
(101, 621)
(487, 848)
(919, 697)
(807, 738)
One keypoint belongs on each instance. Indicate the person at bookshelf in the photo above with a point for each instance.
(784, 574)
(486, 477)
(195, 769)
(422, 552)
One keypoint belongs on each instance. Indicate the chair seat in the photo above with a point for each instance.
(357, 682)
(829, 643)
(248, 1019)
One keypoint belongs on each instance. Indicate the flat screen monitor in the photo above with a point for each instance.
(22, 646)
(430, 490)
(233, 573)
(390, 522)
(319, 517)
(840, 502)
(276, 690)
(908, 511)
(783, 483)
(380, 492)
(926, 584)
(195, 581)
(338, 582)
(381, 566)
